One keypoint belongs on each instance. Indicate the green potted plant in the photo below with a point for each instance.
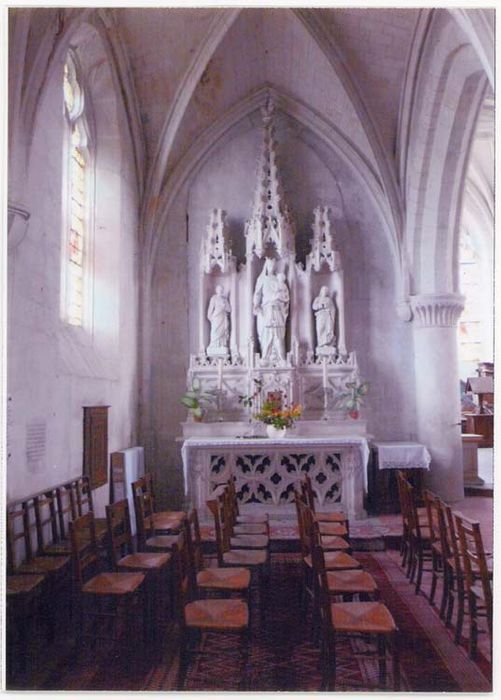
(197, 400)
(354, 398)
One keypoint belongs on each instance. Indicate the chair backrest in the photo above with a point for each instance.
(83, 495)
(214, 507)
(119, 531)
(308, 491)
(305, 524)
(46, 519)
(471, 548)
(232, 496)
(432, 503)
(320, 574)
(451, 540)
(17, 550)
(143, 509)
(146, 484)
(84, 548)
(66, 507)
(402, 497)
(195, 539)
(182, 577)
(411, 511)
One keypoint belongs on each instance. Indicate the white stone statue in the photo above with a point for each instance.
(325, 317)
(271, 306)
(218, 315)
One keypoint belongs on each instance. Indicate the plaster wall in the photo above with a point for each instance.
(55, 369)
(310, 176)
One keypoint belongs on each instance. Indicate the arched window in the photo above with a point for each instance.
(475, 326)
(77, 189)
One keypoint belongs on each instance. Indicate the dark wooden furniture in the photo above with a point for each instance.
(153, 565)
(478, 577)
(103, 595)
(24, 556)
(382, 486)
(23, 602)
(198, 617)
(95, 441)
(481, 424)
(158, 521)
(366, 620)
(212, 579)
(418, 536)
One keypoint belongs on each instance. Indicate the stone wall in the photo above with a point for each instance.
(54, 369)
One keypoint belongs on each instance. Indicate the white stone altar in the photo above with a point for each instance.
(267, 470)
(271, 319)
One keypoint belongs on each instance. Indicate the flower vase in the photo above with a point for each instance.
(275, 433)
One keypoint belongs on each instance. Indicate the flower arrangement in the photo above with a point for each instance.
(271, 414)
(354, 398)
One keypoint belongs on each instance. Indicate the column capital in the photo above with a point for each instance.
(434, 310)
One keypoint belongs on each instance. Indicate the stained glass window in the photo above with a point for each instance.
(77, 195)
(470, 326)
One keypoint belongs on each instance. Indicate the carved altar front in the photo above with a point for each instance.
(267, 470)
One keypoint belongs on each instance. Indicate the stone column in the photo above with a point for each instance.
(438, 409)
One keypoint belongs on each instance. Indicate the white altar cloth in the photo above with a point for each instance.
(267, 469)
(402, 455)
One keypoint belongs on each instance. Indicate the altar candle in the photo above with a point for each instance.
(324, 372)
(220, 374)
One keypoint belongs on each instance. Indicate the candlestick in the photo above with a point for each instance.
(324, 373)
(220, 374)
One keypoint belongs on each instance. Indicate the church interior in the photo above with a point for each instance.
(250, 355)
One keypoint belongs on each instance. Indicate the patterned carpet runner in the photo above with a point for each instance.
(282, 654)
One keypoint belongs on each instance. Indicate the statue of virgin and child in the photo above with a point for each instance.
(271, 308)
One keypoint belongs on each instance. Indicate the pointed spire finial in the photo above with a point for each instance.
(271, 222)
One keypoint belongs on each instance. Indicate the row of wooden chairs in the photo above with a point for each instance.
(242, 540)
(332, 579)
(38, 557)
(449, 546)
(42, 581)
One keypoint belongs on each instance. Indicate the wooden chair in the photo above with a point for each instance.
(243, 539)
(123, 558)
(47, 526)
(66, 508)
(422, 515)
(478, 577)
(432, 504)
(338, 560)
(24, 558)
(419, 538)
(368, 619)
(104, 595)
(85, 504)
(245, 523)
(198, 617)
(327, 517)
(454, 574)
(166, 521)
(254, 559)
(147, 539)
(24, 599)
(221, 580)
